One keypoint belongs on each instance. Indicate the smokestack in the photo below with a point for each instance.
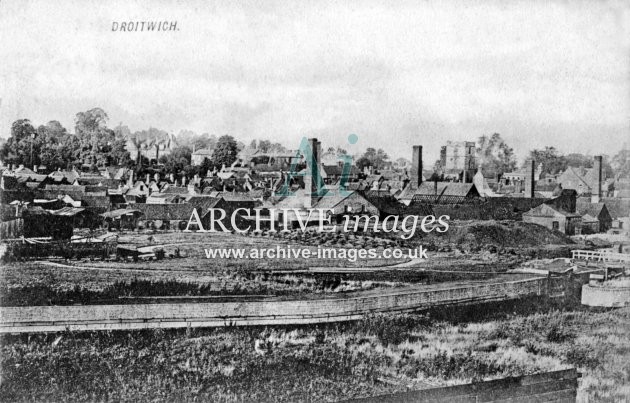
(312, 179)
(596, 191)
(529, 178)
(416, 167)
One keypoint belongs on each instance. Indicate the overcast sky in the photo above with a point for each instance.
(395, 73)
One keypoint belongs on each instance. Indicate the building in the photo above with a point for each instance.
(151, 144)
(199, 156)
(458, 160)
(596, 211)
(585, 181)
(554, 218)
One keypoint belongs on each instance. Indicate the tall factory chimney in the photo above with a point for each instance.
(312, 178)
(596, 191)
(416, 167)
(530, 183)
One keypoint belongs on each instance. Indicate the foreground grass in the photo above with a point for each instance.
(375, 356)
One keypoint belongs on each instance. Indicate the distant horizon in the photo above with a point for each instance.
(396, 73)
(519, 155)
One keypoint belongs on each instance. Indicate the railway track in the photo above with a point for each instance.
(268, 311)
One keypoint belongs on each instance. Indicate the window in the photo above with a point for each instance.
(555, 225)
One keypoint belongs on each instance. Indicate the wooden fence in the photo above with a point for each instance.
(556, 386)
(263, 312)
(601, 256)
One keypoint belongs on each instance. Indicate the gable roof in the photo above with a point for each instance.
(548, 210)
(440, 189)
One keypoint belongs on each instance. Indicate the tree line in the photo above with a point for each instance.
(93, 144)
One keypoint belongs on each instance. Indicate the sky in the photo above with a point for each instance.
(396, 73)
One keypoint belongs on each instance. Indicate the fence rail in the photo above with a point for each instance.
(601, 256)
(554, 386)
(263, 312)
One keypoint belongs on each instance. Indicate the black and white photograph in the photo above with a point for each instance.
(315, 201)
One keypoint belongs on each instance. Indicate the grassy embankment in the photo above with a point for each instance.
(377, 355)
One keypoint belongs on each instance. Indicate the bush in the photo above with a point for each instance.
(392, 329)
(583, 356)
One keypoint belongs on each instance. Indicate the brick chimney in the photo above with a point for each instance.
(312, 178)
(596, 191)
(416, 167)
(530, 183)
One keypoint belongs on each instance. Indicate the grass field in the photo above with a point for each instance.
(375, 356)
(60, 281)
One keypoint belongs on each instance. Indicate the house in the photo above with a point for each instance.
(590, 224)
(597, 211)
(41, 223)
(121, 219)
(333, 173)
(199, 156)
(304, 207)
(554, 218)
(80, 217)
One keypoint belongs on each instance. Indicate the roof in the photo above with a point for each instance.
(589, 218)
(67, 211)
(584, 206)
(204, 151)
(166, 212)
(337, 170)
(548, 210)
(203, 203)
(95, 201)
(119, 213)
(238, 197)
(617, 207)
(439, 189)
(331, 201)
(65, 188)
(384, 201)
(100, 180)
(175, 189)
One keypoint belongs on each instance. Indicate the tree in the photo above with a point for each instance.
(363, 162)
(373, 157)
(50, 143)
(264, 146)
(17, 149)
(620, 163)
(94, 136)
(494, 156)
(225, 151)
(552, 162)
(177, 160)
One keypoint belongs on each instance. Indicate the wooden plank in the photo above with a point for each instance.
(558, 396)
(545, 387)
(506, 392)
